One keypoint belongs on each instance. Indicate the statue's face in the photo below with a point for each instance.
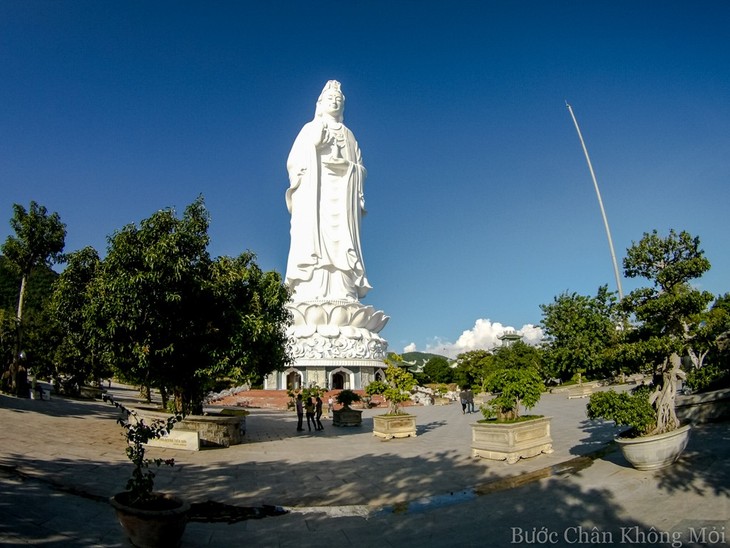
(332, 103)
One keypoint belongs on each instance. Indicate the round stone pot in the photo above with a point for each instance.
(654, 452)
(151, 528)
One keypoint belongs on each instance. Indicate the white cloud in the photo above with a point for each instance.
(483, 336)
(409, 348)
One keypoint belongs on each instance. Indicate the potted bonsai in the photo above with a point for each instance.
(503, 434)
(668, 318)
(396, 390)
(149, 518)
(635, 410)
(346, 416)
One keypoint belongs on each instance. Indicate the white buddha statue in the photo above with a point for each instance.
(325, 199)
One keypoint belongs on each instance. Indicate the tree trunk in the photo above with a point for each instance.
(18, 373)
(664, 397)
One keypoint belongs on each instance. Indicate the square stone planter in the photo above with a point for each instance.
(346, 417)
(511, 441)
(394, 426)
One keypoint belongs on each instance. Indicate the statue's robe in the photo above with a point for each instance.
(325, 258)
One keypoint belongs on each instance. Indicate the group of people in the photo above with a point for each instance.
(313, 409)
(466, 396)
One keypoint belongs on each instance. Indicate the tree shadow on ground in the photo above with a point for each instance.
(422, 429)
(598, 435)
(703, 467)
(58, 406)
(556, 506)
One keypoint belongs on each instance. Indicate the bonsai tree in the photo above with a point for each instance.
(514, 386)
(140, 486)
(399, 383)
(666, 316)
(347, 397)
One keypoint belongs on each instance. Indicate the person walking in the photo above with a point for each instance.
(469, 400)
(300, 412)
(462, 400)
(330, 406)
(309, 409)
(318, 414)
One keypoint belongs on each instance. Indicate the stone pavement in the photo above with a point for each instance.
(61, 459)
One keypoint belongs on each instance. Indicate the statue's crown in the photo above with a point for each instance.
(332, 85)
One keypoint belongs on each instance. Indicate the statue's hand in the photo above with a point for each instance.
(323, 137)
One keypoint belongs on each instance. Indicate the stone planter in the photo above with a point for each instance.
(152, 528)
(213, 430)
(394, 426)
(653, 452)
(346, 417)
(91, 392)
(216, 430)
(511, 441)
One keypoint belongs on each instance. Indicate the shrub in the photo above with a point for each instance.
(137, 432)
(630, 409)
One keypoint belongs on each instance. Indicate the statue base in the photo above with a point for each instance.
(334, 344)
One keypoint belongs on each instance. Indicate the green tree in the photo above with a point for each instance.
(40, 335)
(473, 367)
(666, 313)
(706, 331)
(438, 370)
(579, 330)
(169, 317)
(249, 316)
(517, 355)
(78, 355)
(39, 240)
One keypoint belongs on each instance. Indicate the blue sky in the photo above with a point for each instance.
(480, 202)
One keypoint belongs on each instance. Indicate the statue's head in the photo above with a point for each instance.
(331, 101)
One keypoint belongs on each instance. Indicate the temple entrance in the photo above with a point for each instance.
(338, 381)
(293, 381)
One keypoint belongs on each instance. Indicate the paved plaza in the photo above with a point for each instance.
(60, 460)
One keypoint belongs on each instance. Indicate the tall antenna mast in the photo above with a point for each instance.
(600, 203)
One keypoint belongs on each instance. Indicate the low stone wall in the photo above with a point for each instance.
(706, 407)
(581, 390)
